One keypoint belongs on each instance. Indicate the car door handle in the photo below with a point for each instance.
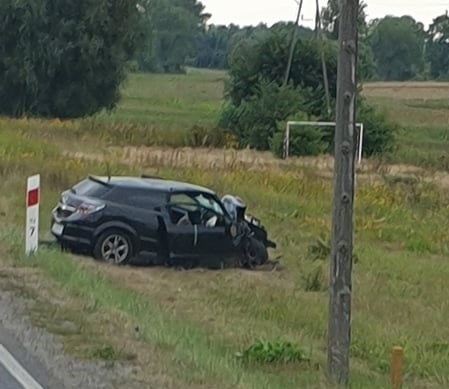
(195, 235)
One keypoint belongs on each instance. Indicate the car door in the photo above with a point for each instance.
(214, 239)
(214, 242)
(193, 231)
(181, 232)
(136, 208)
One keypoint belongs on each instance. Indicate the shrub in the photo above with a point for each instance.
(269, 352)
(255, 120)
(320, 249)
(315, 281)
(304, 141)
(205, 137)
(379, 133)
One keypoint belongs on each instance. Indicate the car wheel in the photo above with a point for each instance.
(255, 253)
(114, 247)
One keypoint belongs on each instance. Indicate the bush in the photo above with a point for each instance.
(199, 136)
(315, 281)
(379, 133)
(269, 352)
(304, 141)
(255, 121)
(320, 249)
(378, 138)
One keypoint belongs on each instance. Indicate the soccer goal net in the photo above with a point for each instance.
(358, 136)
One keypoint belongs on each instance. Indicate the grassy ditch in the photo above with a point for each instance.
(197, 320)
(185, 328)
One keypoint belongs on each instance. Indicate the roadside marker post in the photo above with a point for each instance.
(397, 360)
(32, 214)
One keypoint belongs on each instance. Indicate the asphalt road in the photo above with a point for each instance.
(18, 369)
(7, 381)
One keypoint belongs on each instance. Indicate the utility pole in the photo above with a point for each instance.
(292, 45)
(340, 289)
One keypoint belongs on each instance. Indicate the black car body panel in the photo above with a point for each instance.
(169, 221)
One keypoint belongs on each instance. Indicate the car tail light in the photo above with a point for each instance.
(87, 209)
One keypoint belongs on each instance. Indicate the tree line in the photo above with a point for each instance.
(63, 60)
(391, 48)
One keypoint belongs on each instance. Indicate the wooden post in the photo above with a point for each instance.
(340, 289)
(397, 358)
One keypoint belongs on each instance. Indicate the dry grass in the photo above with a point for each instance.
(407, 90)
(152, 159)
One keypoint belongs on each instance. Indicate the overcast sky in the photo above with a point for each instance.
(246, 12)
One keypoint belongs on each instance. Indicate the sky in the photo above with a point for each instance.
(252, 12)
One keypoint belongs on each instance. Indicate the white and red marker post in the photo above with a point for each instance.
(32, 216)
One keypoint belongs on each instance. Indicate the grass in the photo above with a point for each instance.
(422, 111)
(179, 102)
(191, 324)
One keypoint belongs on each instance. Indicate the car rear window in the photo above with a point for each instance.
(90, 188)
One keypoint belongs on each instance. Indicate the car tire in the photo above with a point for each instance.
(114, 246)
(255, 253)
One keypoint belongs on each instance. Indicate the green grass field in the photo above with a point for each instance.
(170, 102)
(422, 111)
(191, 323)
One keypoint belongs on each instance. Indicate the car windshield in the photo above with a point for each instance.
(208, 202)
(191, 201)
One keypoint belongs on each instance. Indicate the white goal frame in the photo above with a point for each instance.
(290, 124)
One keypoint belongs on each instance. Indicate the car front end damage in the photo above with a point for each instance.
(248, 233)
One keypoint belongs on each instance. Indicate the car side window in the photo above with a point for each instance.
(195, 209)
(136, 198)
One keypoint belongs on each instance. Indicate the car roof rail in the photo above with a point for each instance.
(99, 180)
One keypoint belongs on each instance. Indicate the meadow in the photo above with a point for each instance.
(422, 111)
(192, 323)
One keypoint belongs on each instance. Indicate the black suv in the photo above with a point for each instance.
(172, 223)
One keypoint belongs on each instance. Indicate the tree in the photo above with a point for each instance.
(398, 47)
(264, 56)
(257, 100)
(258, 104)
(212, 45)
(330, 16)
(175, 25)
(330, 19)
(437, 50)
(63, 58)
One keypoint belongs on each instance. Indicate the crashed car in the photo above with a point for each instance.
(170, 223)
